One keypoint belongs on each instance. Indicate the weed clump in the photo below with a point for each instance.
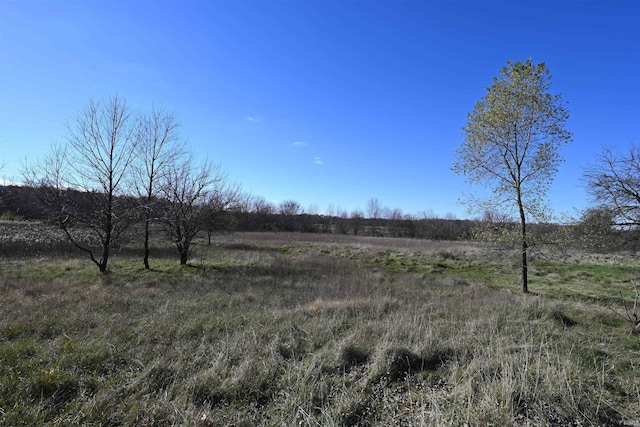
(402, 363)
(398, 364)
(435, 358)
(563, 319)
(52, 386)
(352, 356)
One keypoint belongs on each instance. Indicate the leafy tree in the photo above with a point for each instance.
(497, 229)
(84, 182)
(512, 142)
(595, 230)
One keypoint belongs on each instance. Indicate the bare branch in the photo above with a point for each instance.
(613, 182)
(83, 181)
(194, 196)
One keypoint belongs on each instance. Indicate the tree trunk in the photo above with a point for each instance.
(146, 242)
(523, 235)
(183, 249)
(105, 258)
(106, 244)
(146, 257)
(525, 278)
(184, 255)
(147, 217)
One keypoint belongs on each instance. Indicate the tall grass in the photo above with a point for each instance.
(278, 330)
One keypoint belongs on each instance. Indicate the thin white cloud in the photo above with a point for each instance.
(299, 143)
(317, 161)
(251, 119)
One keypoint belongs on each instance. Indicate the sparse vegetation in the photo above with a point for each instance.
(302, 329)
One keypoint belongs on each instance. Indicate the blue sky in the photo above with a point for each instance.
(324, 102)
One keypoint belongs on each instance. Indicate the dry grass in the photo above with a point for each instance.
(278, 329)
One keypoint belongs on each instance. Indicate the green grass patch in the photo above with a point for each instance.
(603, 283)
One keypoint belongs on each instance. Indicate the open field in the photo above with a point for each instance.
(326, 330)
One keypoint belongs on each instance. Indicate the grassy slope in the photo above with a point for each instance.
(266, 329)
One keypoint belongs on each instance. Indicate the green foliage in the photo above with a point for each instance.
(501, 235)
(513, 136)
(512, 143)
(595, 231)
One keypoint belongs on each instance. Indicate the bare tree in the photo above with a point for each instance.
(237, 217)
(313, 209)
(357, 220)
(84, 181)
(328, 219)
(342, 220)
(613, 182)
(265, 212)
(395, 218)
(194, 196)
(160, 146)
(512, 144)
(289, 210)
(375, 213)
(374, 209)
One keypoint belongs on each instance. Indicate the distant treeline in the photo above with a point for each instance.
(17, 202)
(407, 226)
(593, 232)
